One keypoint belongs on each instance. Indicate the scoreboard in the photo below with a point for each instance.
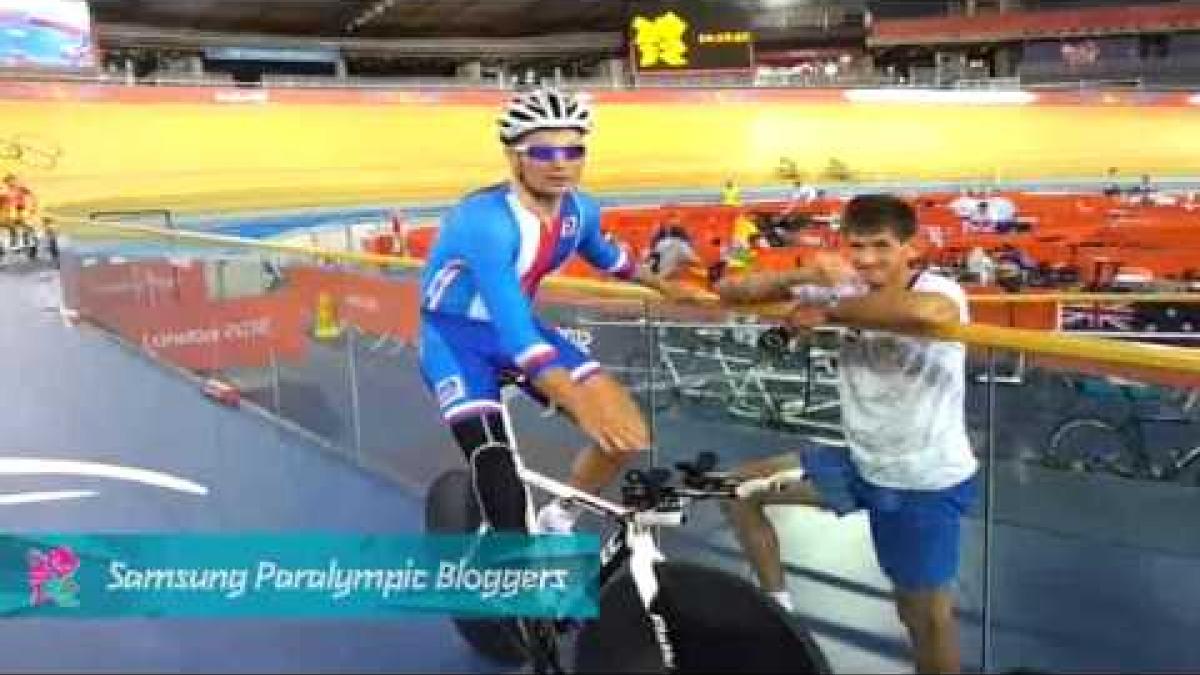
(682, 35)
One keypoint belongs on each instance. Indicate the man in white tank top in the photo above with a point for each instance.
(909, 462)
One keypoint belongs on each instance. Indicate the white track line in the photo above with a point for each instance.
(18, 466)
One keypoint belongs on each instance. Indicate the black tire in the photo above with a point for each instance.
(451, 508)
(720, 623)
(1093, 445)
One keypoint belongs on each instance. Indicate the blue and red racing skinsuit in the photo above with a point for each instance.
(477, 290)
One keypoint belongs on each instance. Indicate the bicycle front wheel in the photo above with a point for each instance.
(1093, 445)
(715, 623)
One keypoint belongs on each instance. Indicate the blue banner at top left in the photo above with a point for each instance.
(289, 575)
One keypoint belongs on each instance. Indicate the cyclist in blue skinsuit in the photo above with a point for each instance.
(477, 321)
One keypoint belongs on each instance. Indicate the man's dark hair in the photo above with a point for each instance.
(874, 214)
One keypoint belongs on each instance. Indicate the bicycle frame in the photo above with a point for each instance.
(632, 542)
(1183, 461)
(652, 500)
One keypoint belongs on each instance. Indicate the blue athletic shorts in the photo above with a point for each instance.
(463, 367)
(916, 532)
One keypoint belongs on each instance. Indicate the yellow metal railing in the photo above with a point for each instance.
(1095, 350)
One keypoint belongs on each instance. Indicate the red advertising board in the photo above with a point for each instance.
(242, 332)
(164, 308)
(378, 305)
(105, 283)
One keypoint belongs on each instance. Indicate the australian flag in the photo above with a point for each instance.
(1100, 317)
(1133, 317)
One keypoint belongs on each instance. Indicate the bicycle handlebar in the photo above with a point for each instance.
(649, 489)
(647, 495)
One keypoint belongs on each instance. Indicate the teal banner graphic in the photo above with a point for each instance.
(290, 575)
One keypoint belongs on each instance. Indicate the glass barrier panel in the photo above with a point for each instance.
(765, 399)
(608, 334)
(315, 383)
(124, 335)
(400, 432)
(1095, 550)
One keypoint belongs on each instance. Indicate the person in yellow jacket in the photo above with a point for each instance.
(731, 195)
(744, 228)
(746, 237)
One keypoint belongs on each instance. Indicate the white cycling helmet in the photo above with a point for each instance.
(543, 108)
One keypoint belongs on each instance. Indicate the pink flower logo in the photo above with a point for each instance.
(51, 577)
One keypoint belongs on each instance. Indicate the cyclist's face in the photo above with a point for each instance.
(880, 258)
(549, 162)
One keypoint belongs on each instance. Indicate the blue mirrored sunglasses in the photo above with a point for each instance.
(552, 153)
